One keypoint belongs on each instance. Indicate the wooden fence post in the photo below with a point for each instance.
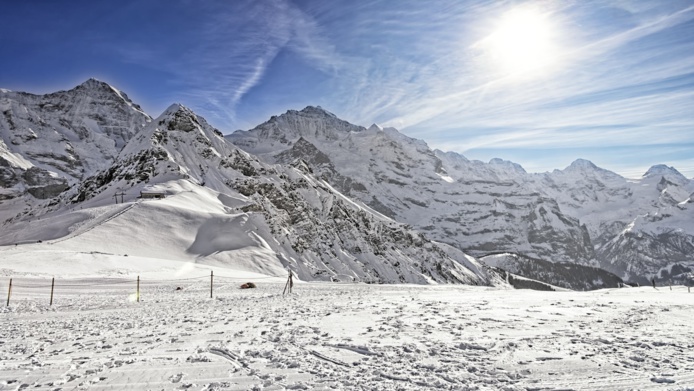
(9, 293)
(138, 289)
(52, 286)
(211, 282)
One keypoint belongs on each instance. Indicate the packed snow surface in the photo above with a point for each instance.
(339, 336)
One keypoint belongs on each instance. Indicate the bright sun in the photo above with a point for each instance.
(522, 43)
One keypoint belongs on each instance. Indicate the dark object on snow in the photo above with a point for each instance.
(290, 283)
(178, 288)
(152, 194)
(248, 285)
(653, 281)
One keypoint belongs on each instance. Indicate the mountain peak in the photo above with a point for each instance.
(98, 89)
(507, 163)
(93, 87)
(454, 156)
(317, 110)
(664, 170)
(587, 168)
(582, 164)
(175, 107)
(179, 117)
(94, 84)
(312, 123)
(375, 128)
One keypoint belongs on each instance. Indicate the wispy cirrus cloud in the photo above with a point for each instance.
(588, 71)
(624, 75)
(622, 72)
(216, 63)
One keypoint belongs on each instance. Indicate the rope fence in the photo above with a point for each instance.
(30, 287)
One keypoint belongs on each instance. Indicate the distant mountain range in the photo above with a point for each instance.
(637, 229)
(333, 200)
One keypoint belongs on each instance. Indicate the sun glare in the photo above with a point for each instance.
(522, 43)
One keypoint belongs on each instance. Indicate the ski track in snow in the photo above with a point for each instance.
(339, 336)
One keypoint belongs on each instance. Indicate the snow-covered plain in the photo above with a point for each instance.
(339, 336)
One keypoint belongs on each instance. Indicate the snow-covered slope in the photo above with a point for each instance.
(565, 216)
(225, 207)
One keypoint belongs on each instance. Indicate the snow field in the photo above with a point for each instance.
(340, 336)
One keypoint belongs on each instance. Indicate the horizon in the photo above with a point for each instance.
(537, 83)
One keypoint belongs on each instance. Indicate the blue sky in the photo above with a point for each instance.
(540, 83)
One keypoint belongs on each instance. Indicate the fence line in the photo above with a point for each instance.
(107, 282)
(24, 286)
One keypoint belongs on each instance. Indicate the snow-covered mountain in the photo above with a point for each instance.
(324, 197)
(224, 207)
(480, 207)
(568, 215)
(640, 228)
(51, 142)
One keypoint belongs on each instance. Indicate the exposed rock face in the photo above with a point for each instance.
(41, 184)
(563, 274)
(348, 241)
(8, 177)
(654, 245)
(320, 165)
